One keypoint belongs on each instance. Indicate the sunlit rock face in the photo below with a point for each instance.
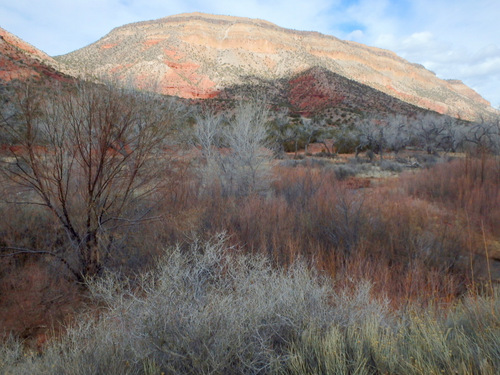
(199, 55)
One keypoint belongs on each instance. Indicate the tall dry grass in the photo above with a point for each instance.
(464, 341)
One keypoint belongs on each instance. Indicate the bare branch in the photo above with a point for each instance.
(22, 251)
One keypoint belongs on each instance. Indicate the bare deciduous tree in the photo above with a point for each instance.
(371, 137)
(397, 133)
(91, 156)
(208, 133)
(429, 132)
(485, 136)
(236, 155)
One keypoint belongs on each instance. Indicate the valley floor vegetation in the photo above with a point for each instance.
(210, 310)
(163, 238)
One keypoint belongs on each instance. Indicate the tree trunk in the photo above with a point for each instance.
(91, 258)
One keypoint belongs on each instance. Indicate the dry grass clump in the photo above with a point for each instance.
(465, 340)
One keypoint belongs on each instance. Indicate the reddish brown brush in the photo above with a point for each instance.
(410, 248)
(470, 187)
(408, 236)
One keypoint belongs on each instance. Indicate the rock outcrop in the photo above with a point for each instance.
(20, 61)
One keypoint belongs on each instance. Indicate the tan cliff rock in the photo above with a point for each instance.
(198, 55)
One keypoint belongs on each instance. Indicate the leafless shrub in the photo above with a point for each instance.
(210, 310)
(348, 219)
(393, 166)
(200, 311)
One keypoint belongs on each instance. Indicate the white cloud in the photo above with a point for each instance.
(421, 38)
(356, 35)
(453, 39)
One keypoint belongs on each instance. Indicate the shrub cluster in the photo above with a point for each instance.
(211, 310)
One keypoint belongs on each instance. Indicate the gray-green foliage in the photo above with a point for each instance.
(203, 310)
(209, 310)
(236, 153)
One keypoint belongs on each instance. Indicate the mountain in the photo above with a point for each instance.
(199, 56)
(20, 61)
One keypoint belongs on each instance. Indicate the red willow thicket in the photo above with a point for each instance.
(411, 247)
(468, 186)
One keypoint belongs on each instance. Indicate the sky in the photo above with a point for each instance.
(456, 39)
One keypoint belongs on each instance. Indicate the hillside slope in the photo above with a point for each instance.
(198, 55)
(20, 61)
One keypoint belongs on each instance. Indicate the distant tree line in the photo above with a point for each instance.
(429, 132)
